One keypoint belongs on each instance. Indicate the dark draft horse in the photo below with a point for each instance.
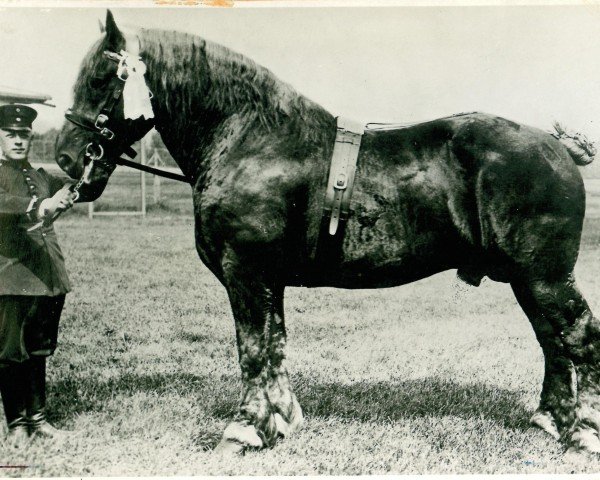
(473, 192)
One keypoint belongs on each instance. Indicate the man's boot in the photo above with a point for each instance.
(36, 401)
(13, 390)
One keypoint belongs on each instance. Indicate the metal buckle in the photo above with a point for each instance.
(341, 183)
(115, 57)
(89, 152)
(100, 121)
(107, 133)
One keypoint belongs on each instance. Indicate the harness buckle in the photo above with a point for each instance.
(101, 121)
(107, 133)
(94, 155)
(341, 183)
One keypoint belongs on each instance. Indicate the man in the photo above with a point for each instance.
(33, 279)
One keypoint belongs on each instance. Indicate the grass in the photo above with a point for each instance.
(429, 378)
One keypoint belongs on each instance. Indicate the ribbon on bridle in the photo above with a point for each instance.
(136, 94)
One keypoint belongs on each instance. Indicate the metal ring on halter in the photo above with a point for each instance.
(91, 154)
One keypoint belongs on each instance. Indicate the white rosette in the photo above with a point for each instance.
(136, 94)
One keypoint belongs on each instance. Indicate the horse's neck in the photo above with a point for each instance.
(191, 113)
(195, 145)
(205, 100)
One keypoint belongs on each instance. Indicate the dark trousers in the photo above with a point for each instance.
(28, 326)
(28, 334)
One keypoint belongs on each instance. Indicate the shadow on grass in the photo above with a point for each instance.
(73, 395)
(359, 401)
(428, 397)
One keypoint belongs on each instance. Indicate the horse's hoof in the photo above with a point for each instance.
(282, 426)
(297, 417)
(295, 420)
(242, 434)
(544, 420)
(576, 457)
(228, 448)
(584, 442)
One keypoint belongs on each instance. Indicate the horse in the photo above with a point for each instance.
(473, 192)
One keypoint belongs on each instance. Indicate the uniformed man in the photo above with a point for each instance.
(33, 279)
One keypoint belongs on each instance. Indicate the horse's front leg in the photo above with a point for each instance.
(268, 407)
(287, 411)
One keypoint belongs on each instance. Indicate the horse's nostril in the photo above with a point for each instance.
(63, 161)
(66, 163)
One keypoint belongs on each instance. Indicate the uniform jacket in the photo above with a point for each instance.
(31, 263)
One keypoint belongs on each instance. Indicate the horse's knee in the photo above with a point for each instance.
(561, 307)
(582, 339)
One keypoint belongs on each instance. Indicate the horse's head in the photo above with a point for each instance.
(101, 126)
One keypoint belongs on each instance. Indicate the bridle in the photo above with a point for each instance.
(100, 126)
(106, 136)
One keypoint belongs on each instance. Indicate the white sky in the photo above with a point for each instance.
(529, 64)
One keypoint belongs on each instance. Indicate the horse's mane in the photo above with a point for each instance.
(220, 79)
(83, 93)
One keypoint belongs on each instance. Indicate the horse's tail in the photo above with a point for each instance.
(582, 151)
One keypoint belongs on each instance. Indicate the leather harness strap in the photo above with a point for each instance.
(336, 205)
(341, 172)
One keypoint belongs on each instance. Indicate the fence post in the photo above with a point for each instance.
(143, 176)
(156, 189)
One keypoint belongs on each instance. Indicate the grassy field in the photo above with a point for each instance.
(433, 377)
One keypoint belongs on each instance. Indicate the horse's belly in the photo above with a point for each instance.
(401, 227)
(395, 273)
(385, 249)
(372, 259)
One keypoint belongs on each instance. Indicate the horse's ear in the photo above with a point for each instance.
(113, 34)
(101, 25)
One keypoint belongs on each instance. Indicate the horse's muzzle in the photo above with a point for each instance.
(69, 165)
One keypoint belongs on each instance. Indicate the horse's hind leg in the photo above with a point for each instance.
(268, 407)
(574, 405)
(559, 388)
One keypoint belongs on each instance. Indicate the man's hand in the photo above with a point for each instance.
(61, 201)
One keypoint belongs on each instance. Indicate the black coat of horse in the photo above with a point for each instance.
(472, 192)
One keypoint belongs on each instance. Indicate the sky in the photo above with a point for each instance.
(388, 64)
